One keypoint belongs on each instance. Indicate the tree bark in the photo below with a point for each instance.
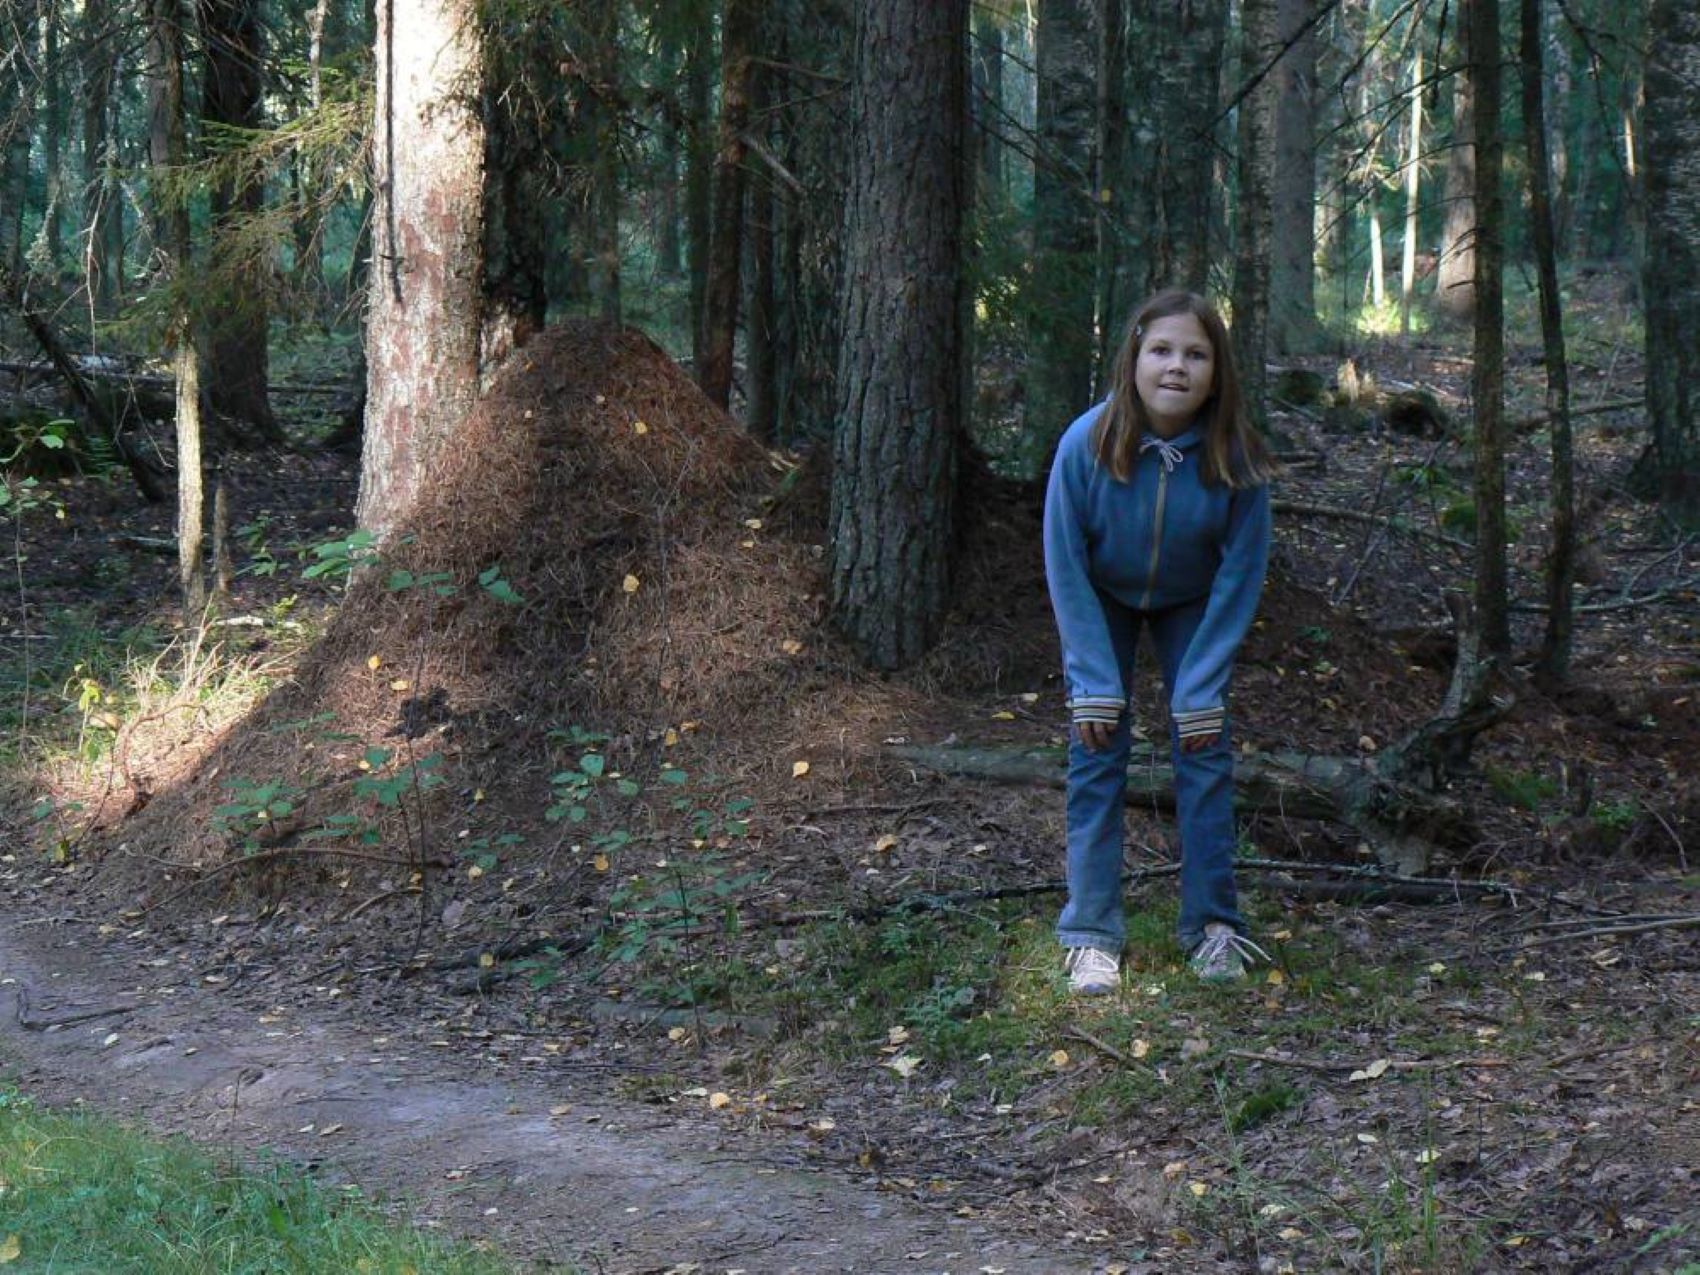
(52, 140)
(726, 230)
(761, 411)
(900, 373)
(1061, 300)
(1293, 327)
(238, 360)
(1413, 189)
(1254, 220)
(1561, 555)
(988, 107)
(171, 211)
(1672, 275)
(103, 211)
(425, 308)
(1455, 275)
(1175, 55)
(699, 178)
(1487, 377)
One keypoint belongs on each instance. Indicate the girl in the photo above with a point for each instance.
(1157, 516)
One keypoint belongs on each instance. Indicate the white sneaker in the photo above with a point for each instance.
(1092, 971)
(1224, 954)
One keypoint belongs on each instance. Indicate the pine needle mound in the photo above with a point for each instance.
(602, 549)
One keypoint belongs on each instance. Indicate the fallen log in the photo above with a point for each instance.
(1402, 823)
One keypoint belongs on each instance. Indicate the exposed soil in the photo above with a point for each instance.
(672, 619)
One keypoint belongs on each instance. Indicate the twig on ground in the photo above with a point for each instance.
(1103, 1047)
(1593, 1051)
(1323, 1065)
(1305, 508)
(1609, 931)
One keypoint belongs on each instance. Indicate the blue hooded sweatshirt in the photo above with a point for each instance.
(1162, 539)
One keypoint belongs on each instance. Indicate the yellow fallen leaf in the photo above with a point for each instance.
(474, 872)
(754, 524)
(897, 1035)
(791, 646)
(1003, 715)
(486, 961)
(1438, 967)
(600, 863)
(1291, 1233)
(1141, 1048)
(1428, 1155)
(718, 1100)
(676, 1034)
(400, 684)
(11, 1249)
(1282, 936)
(1276, 978)
(630, 584)
(638, 427)
(1377, 1069)
(330, 1129)
(670, 738)
(1174, 1168)
(561, 1109)
(885, 843)
(373, 662)
(1197, 1188)
(904, 1064)
(1059, 1058)
(799, 769)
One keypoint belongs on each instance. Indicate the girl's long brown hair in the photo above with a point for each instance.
(1235, 454)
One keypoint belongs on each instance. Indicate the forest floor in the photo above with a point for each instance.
(563, 881)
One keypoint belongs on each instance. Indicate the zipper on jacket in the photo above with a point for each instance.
(1156, 537)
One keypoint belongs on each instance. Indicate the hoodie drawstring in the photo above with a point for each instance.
(1170, 454)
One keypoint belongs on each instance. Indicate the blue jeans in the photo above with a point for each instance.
(1097, 792)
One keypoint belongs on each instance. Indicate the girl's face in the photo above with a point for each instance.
(1175, 372)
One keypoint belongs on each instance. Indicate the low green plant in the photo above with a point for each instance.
(255, 810)
(1617, 815)
(1523, 788)
(85, 1194)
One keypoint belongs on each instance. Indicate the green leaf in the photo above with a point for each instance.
(592, 764)
(673, 776)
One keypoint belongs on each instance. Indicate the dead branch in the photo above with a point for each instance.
(1308, 509)
(1610, 931)
(1528, 423)
(1103, 1047)
(1329, 1068)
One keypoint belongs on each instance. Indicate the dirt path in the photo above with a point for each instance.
(616, 1188)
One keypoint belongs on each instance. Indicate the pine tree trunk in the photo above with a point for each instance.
(603, 123)
(900, 375)
(1293, 327)
(52, 142)
(1059, 377)
(101, 206)
(1175, 56)
(1672, 274)
(167, 152)
(1487, 379)
(238, 360)
(1561, 556)
(1114, 302)
(699, 182)
(761, 412)
(726, 230)
(424, 311)
(1455, 275)
(988, 108)
(1254, 220)
(1413, 190)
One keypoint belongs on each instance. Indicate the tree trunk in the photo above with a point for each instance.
(726, 231)
(900, 376)
(699, 178)
(52, 141)
(988, 107)
(1413, 188)
(236, 327)
(1455, 275)
(761, 410)
(1059, 377)
(1175, 56)
(102, 207)
(167, 152)
(603, 126)
(1672, 277)
(1112, 184)
(1561, 556)
(425, 308)
(1254, 222)
(1293, 327)
(1487, 377)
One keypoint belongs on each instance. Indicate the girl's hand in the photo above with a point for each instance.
(1096, 735)
(1198, 743)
